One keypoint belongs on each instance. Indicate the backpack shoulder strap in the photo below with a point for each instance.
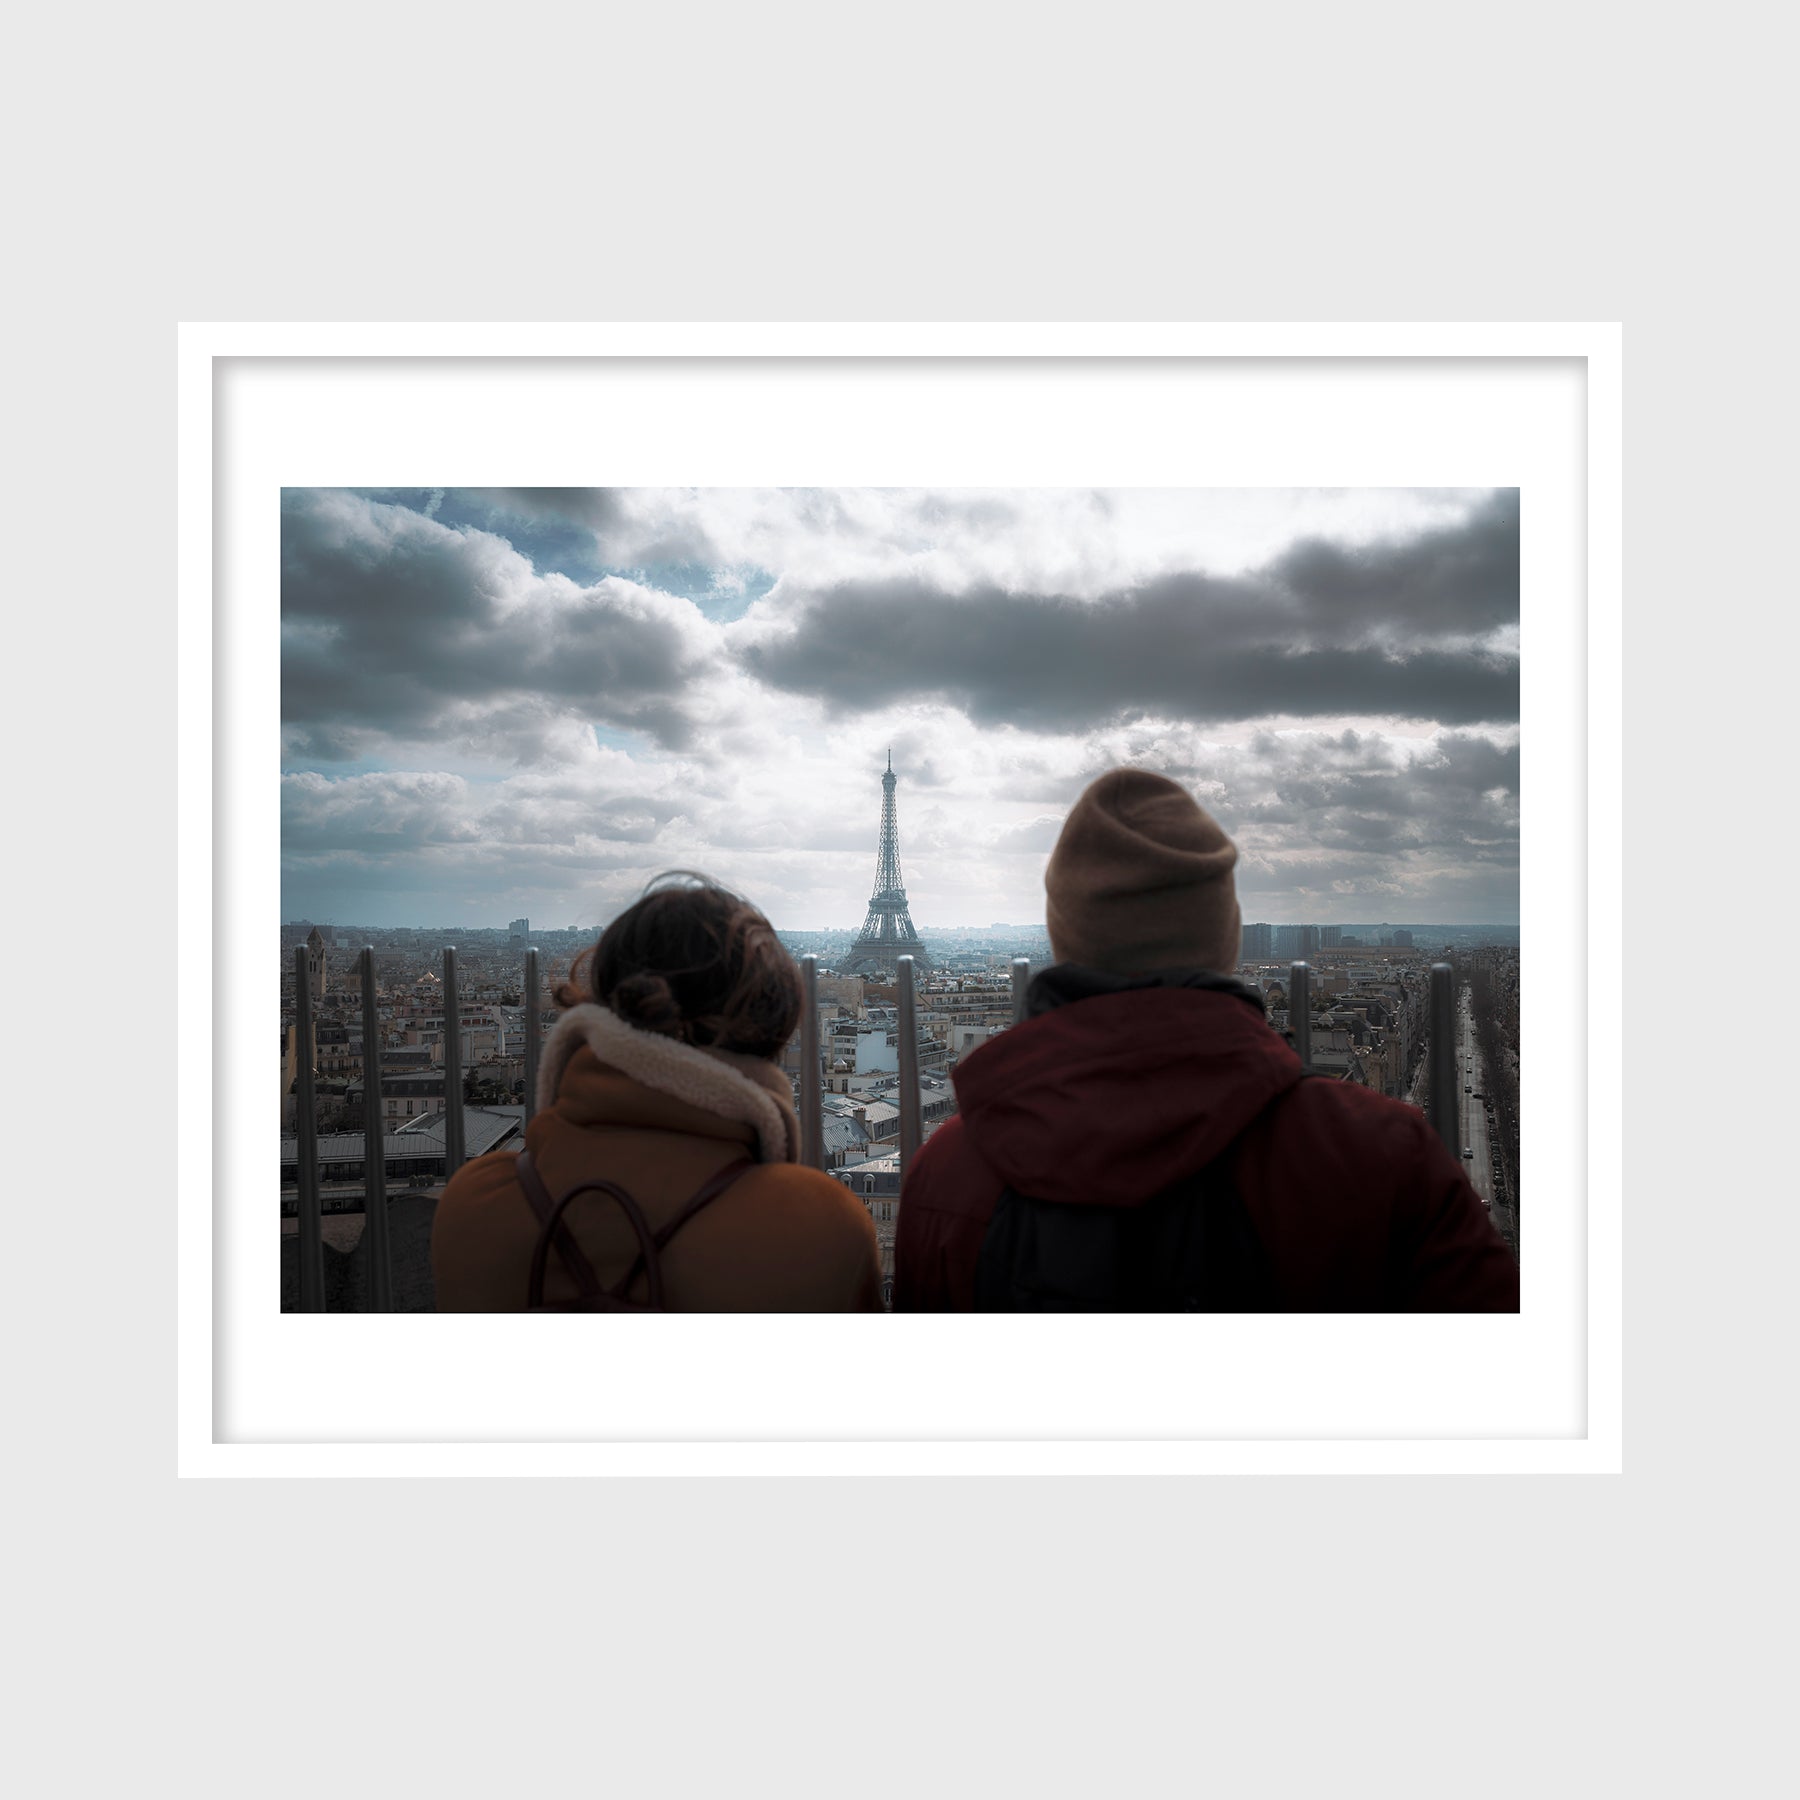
(606, 1298)
(550, 1223)
(592, 1295)
(703, 1197)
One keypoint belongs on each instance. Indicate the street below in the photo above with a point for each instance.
(1472, 1114)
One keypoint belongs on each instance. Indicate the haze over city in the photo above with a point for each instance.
(526, 702)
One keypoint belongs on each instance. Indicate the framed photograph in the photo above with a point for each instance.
(484, 627)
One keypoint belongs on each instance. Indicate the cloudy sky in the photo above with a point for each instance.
(529, 701)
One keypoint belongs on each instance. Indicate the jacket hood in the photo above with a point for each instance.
(721, 1083)
(1114, 1088)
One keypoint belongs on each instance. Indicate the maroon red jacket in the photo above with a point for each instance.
(1113, 1097)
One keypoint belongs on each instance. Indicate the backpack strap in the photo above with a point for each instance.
(704, 1196)
(574, 1259)
(592, 1295)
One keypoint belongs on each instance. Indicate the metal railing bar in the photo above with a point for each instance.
(375, 1213)
(533, 1032)
(1300, 1009)
(306, 1147)
(910, 1134)
(453, 1100)
(812, 1123)
(1021, 980)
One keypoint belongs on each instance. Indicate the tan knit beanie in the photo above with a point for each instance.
(1141, 880)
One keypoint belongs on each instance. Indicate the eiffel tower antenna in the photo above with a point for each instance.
(887, 932)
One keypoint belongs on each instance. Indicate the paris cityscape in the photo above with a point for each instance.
(712, 675)
(1366, 1024)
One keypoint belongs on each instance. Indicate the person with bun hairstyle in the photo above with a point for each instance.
(661, 1076)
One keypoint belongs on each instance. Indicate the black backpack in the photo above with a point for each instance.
(1190, 1249)
(592, 1297)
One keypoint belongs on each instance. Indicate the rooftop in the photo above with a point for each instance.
(886, 1163)
(484, 1128)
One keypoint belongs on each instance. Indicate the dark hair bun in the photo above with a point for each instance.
(647, 1001)
(693, 961)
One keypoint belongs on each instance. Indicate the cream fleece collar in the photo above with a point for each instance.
(703, 1078)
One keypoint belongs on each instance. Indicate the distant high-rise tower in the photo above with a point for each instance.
(518, 931)
(887, 932)
(1259, 943)
(1297, 941)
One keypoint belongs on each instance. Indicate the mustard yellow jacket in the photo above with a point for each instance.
(659, 1118)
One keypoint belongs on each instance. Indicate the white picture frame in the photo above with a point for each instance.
(1537, 406)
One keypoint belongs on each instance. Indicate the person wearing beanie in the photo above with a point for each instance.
(1141, 879)
(1145, 1140)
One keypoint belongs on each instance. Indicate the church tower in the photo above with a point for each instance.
(315, 965)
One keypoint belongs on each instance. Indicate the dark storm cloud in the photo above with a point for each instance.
(597, 509)
(1459, 580)
(1324, 815)
(625, 534)
(1392, 629)
(395, 624)
(1312, 807)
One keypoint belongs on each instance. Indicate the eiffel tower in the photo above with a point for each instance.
(887, 932)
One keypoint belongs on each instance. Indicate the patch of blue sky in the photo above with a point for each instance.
(616, 737)
(415, 499)
(314, 765)
(723, 594)
(555, 547)
(552, 546)
(473, 774)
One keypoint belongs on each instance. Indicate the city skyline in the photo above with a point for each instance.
(954, 929)
(502, 702)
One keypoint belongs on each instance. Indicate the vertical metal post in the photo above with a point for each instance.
(533, 1031)
(306, 1145)
(1440, 1045)
(1300, 1009)
(909, 1069)
(1021, 980)
(812, 1120)
(453, 1100)
(375, 1213)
